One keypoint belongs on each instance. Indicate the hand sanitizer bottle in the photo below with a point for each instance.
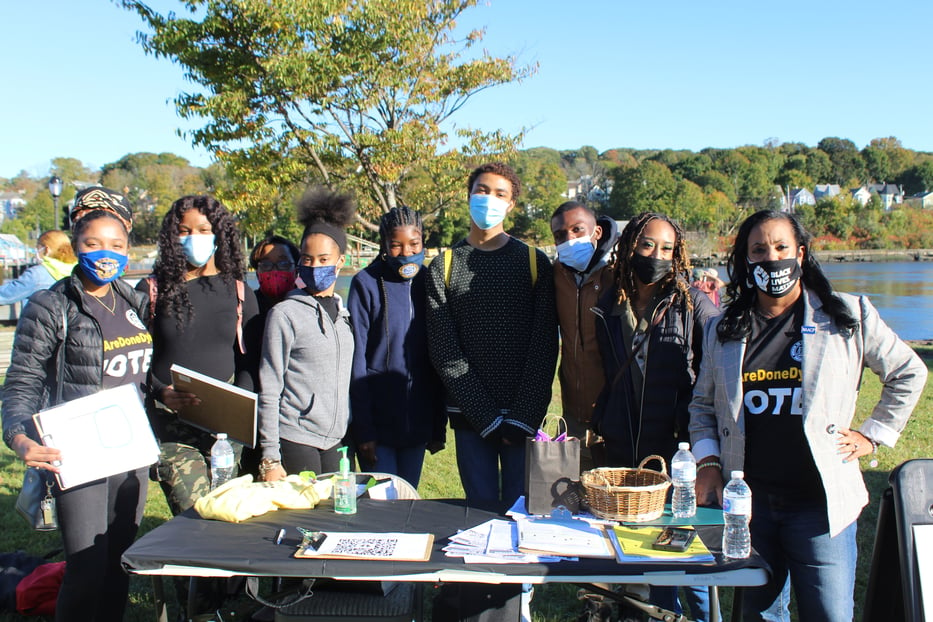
(345, 487)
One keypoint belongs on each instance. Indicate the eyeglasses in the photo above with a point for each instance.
(265, 265)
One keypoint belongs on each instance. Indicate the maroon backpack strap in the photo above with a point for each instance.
(240, 297)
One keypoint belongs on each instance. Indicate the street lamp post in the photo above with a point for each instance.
(55, 189)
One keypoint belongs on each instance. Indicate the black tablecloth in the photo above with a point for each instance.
(249, 547)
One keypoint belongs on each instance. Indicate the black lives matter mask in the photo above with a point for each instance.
(776, 278)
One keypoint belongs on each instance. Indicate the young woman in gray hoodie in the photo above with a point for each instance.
(307, 351)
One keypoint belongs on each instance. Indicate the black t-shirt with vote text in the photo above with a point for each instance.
(127, 343)
(778, 459)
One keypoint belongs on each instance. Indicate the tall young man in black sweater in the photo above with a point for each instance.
(492, 336)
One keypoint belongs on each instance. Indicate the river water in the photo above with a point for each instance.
(901, 291)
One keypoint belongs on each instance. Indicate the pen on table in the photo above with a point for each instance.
(280, 536)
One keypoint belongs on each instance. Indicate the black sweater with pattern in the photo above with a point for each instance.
(492, 337)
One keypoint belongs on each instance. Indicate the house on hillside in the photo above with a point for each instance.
(827, 191)
(797, 197)
(890, 194)
(921, 200)
(10, 204)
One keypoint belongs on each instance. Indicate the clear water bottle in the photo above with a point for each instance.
(684, 476)
(223, 462)
(737, 511)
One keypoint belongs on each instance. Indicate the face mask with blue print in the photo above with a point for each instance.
(487, 211)
(102, 266)
(405, 267)
(198, 248)
(317, 278)
(576, 253)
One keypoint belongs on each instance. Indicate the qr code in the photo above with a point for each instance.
(366, 547)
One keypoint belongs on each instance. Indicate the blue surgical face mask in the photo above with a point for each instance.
(102, 266)
(405, 267)
(316, 278)
(198, 248)
(487, 211)
(576, 253)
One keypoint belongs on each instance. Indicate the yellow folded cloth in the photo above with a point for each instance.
(242, 498)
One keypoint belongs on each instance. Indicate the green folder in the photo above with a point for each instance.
(704, 516)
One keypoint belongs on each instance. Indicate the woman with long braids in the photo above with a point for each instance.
(396, 397)
(650, 336)
(307, 350)
(775, 398)
(205, 320)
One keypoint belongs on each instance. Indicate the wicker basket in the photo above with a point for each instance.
(625, 494)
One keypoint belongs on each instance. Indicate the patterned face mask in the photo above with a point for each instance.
(276, 283)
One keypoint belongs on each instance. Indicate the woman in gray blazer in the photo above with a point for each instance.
(775, 397)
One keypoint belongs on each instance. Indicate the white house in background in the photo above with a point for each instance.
(827, 191)
(890, 194)
(861, 194)
(575, 189)
(921, 200)
(799, 196)
(10, 204)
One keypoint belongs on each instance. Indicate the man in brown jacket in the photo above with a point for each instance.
(584, 244)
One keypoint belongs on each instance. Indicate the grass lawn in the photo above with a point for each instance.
(555, 603)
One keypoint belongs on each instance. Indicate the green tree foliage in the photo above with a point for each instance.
(848, 168)
(648, 187)
(351, 94)
(543, 185)
(918, 178)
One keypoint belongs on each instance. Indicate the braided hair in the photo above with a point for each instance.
(624, 274)
(171, 267)
(736, 323)
(393, 219)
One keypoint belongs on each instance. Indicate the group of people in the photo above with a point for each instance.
(647, 360)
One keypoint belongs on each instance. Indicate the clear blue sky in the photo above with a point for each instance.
(613, 73)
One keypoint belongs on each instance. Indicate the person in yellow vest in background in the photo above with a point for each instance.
(56, 261)
(584, 245)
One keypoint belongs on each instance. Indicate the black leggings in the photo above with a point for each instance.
(297, 458)
(99, 521)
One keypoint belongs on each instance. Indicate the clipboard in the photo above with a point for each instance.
(223, 408)
(99, 435)
(404, 547)
(565, 536)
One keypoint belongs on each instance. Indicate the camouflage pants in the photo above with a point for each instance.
(184, 474)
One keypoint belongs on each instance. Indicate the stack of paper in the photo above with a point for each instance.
(634, 544)
(575, 538)
(492, 542)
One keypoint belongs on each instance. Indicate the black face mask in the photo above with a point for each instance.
(650, 269)
(775, 278)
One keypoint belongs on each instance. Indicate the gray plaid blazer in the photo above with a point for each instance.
(832, 370)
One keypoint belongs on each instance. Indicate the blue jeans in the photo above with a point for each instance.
(406, 462)
(697, 597)
(478, 462)
(794, 540)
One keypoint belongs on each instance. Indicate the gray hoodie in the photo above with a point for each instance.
(304, 374)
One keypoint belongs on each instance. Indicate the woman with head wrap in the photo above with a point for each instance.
(86, 333)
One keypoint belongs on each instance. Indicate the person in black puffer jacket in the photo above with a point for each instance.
(650, 335)
(100, 321)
